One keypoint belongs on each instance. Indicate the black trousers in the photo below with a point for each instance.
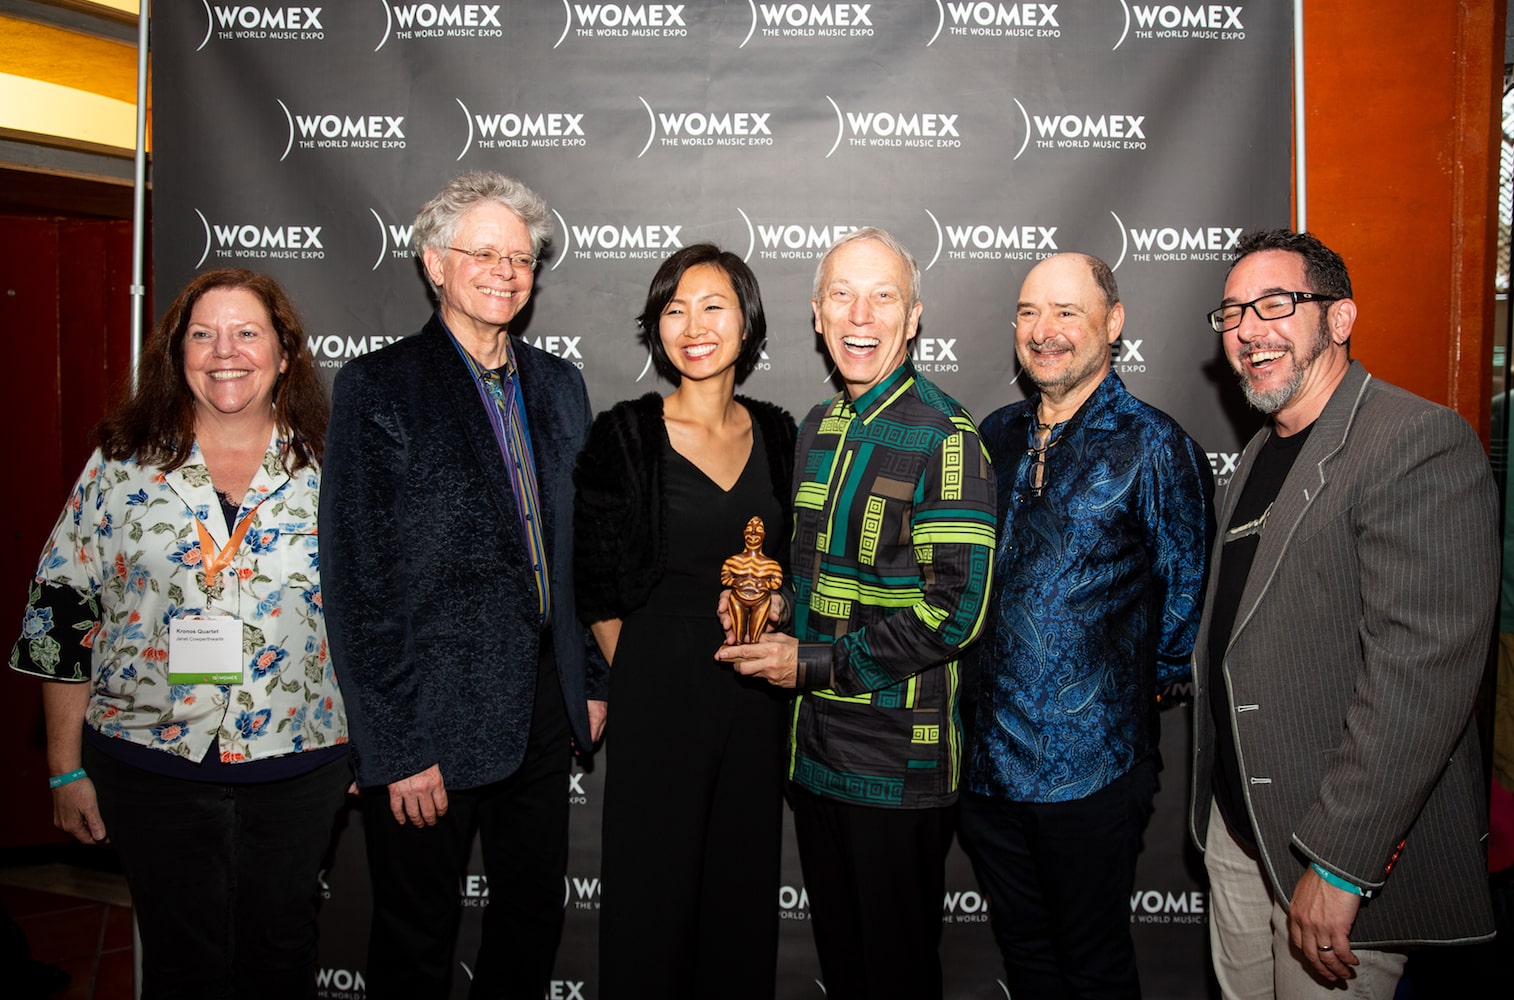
(692, 821)
(876, 880)
(522, 825)
(223, 878)
(1059, 877)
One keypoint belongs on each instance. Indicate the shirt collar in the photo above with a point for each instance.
(1098, 410)
(474, 368)
(880, 395)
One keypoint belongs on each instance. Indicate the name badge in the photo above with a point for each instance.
(205, 650)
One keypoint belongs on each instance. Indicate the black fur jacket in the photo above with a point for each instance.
(620, 531)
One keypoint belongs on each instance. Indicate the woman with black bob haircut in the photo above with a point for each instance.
(665, 285)
(693, 787)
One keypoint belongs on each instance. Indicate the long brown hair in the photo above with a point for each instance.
(155, 424)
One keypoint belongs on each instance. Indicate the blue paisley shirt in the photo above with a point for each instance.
(1098, 584)
(125, 559)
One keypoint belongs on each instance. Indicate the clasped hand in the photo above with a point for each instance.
(774, 658)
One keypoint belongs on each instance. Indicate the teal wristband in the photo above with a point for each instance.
(59, 780)
(1333, 879)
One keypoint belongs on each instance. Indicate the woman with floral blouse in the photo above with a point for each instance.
(193, 717)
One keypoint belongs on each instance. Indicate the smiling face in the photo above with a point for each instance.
(477, 301)
(864, 314)
(1287, 367)
(232, 359)
(701, 326)
(1064, 329)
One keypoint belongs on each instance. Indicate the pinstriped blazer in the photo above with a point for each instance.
(1359, 643)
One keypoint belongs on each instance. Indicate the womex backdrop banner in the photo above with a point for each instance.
(301, 140)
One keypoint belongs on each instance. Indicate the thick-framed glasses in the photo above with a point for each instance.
(489, 259)
(1277, 305)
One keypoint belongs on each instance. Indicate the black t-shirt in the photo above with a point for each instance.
(1242, 534)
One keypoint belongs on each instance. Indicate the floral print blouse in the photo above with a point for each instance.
(125, 559)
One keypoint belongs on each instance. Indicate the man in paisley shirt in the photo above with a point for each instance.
(1105, 520)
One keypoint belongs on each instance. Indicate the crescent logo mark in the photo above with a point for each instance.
(383, 241)
(206, 252)
(751, 238)
(209, 25)
(1123, 245)
(840, 127)
(651, 126)
(562, 256)
(940, 22)
(290, 119)
(469, 119)
(1026, 116)
(1125, 31)
(567, 22)
(749, 32)
(388, 23)
(937, 255)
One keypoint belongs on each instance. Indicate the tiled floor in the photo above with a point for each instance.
(77, 920)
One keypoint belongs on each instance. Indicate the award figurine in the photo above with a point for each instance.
(752, 578)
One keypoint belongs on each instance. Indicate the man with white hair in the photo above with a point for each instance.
(893, 549)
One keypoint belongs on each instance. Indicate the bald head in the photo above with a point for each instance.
(1099, 273)
(1069, 315)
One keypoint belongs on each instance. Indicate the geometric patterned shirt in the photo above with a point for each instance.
(892, 559)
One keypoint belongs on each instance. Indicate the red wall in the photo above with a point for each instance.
(1402, 141)
(65, 312)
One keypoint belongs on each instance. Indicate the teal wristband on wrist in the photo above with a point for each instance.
(59, 780)
(1333, 879)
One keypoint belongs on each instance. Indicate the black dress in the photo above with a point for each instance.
(693, 781)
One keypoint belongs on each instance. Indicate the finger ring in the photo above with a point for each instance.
(1325, 947)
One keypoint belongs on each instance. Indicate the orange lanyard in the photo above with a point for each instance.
(213, 561)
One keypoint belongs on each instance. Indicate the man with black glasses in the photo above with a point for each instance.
(1105, 522)
(1337, 778)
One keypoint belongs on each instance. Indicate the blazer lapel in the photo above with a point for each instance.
(1306, 481)
(456, 388)
(1228, 499)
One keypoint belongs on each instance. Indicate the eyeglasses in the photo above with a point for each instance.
(1276, 305)
(1043, 442)
(489, 259)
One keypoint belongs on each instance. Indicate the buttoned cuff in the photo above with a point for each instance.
(814, 670)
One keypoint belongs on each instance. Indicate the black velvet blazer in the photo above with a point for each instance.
(620, 517)
(430, 601)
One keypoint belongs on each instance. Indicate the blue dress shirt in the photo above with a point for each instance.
(1098, 583)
